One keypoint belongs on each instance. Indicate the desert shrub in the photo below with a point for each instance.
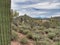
(56, 39)
(42, 43)
(58, 34)
(33, 36)
(51, 35)
(57, 31)
(14, 28)
(36, 31)
(41, 28)
(29, 35)
(46, 24)
(20, 30)
(52, 25)
(50, 30)
(57, 43)
(24, 31)
(14, 36)
(24, 41)
(58, 27)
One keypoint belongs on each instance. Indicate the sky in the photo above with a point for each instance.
(37, 8)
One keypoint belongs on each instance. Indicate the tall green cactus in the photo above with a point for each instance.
(4, 22)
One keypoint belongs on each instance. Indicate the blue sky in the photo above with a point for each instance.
(37, 8)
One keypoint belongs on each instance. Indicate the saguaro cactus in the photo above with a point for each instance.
(4, 22)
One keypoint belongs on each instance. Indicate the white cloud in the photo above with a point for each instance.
(55, 15)
(32, 13)
(22, 9)
(45, 5)
(18, 0)
(48, 6)
(21, 0)
(39, 12)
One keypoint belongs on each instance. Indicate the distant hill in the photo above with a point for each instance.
(26, 20)
(24, 17)
(56, 18)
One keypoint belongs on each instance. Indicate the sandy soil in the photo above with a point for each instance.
(30, 42)
(14, 43)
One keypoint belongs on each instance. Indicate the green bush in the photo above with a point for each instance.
(24, 41)
(24, 31)
(20, 30)
(56, 39)
(46, 24)
(42, 43)
(50, 30)
(29, 35)
(51, 35)
(33, 36)
(57, 43)
(14, 36)
(14, 27)
(57, 32)
(42, 28)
